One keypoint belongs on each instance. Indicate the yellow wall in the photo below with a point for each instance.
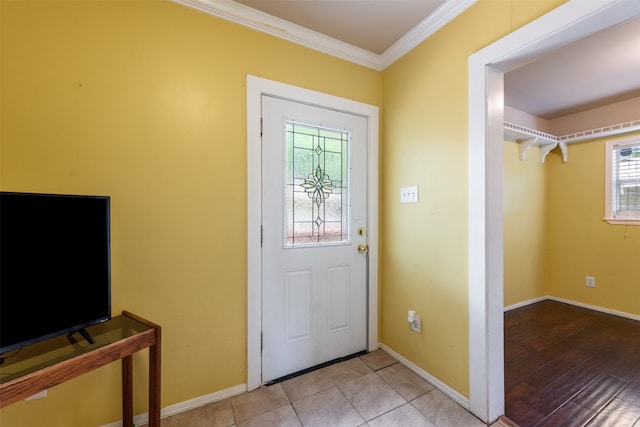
(524, 225)
(555, 235)
(145, 101)
(580, 243)
(424, 134)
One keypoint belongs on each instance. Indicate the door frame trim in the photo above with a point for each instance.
(256, 87)
(569, 22)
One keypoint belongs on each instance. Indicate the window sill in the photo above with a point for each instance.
(623, 221)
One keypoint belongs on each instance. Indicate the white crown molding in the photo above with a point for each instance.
(260, 21)
(432, 23)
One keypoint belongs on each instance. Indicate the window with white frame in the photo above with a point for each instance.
(622, 204)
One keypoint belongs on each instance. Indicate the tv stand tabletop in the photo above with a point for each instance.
(43, 365)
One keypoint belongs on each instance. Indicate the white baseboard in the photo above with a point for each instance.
(596, 308)
(448, 391)
(525, 303)
(575, 303)
(187, 405)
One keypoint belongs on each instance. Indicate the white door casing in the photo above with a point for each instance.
(314, 171)
(256, 88)
(571, 21)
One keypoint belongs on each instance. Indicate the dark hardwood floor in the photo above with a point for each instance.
(569, 366)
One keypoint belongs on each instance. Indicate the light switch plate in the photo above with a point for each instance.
(409, 194)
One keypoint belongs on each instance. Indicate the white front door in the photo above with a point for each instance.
(314, 236)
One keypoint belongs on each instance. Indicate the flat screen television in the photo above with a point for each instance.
(55, 266)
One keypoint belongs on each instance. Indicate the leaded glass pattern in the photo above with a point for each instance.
(316, 185)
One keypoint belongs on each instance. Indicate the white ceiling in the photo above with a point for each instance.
(589, 73)
(373, 25)
(598, 70)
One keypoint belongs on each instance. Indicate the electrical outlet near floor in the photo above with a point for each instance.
(415, 325)
(590, 282)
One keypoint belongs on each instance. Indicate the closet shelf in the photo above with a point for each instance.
(526, 137)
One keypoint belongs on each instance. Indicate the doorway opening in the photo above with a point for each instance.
(569, 22)
(256, 88)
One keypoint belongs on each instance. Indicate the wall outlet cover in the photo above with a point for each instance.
(415, 325)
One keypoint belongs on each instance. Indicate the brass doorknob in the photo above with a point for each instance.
(363, 249)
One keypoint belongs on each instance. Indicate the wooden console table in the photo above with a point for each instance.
(43, 365)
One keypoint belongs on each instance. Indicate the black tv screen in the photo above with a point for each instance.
(55, 275)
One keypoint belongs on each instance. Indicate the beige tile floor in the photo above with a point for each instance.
(371, 390)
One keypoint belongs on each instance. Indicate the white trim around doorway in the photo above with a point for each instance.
(256, 87)
(572, 21)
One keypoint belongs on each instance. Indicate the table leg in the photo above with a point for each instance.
(154, 382)
(127, 391)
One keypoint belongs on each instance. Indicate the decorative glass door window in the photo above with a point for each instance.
(316, 185)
